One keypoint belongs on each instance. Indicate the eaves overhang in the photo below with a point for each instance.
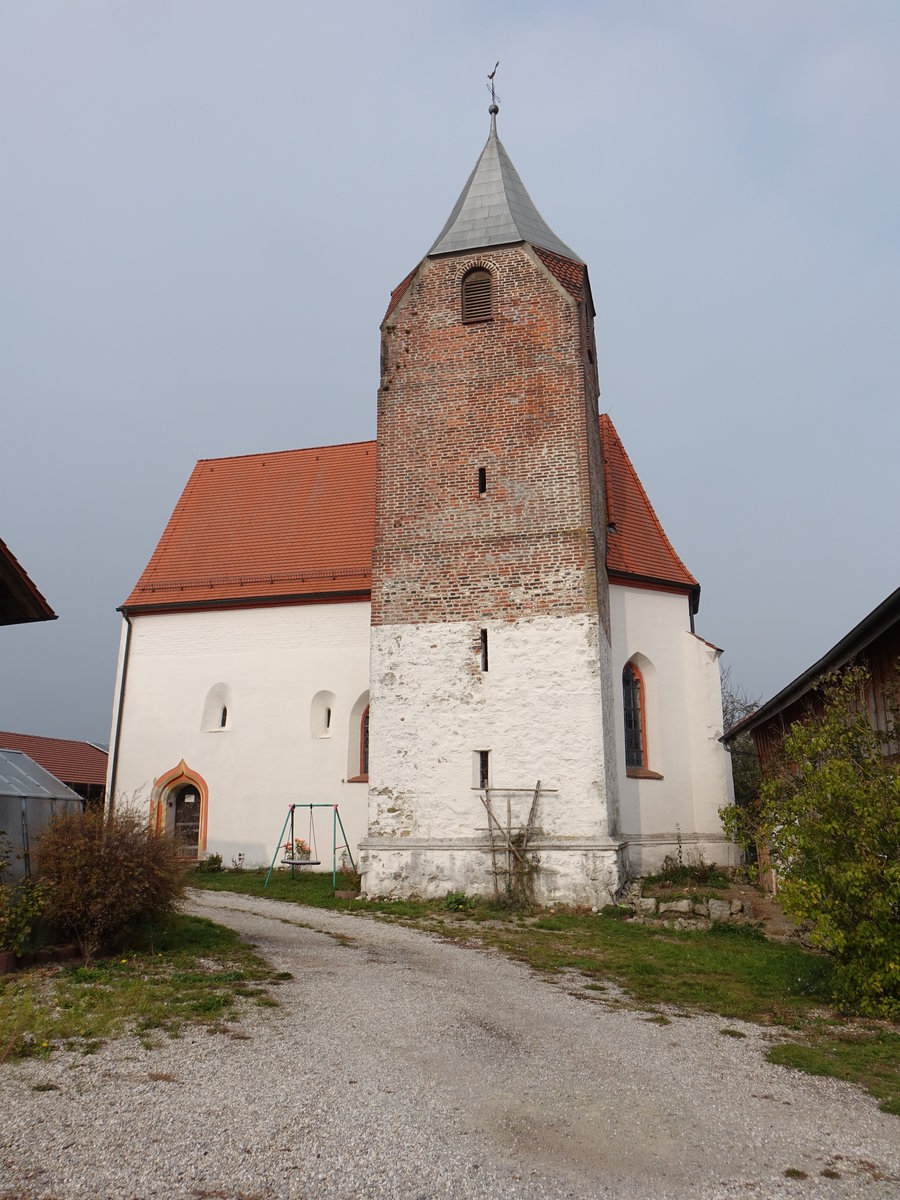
(840, 655)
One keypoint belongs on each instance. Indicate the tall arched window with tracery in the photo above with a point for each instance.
(635, 722)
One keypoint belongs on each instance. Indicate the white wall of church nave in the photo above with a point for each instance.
(275, 662)
(537, 710)
(683, 715)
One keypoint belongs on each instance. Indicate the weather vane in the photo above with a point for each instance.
(493, 93)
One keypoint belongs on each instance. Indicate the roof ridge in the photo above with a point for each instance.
(294, 450)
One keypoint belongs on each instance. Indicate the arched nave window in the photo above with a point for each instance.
(358, 741)
(216, 709)
(635, 719)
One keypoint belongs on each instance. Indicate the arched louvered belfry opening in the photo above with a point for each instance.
(477, 296)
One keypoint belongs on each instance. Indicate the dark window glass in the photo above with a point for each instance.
(364, 745)
(484, 770)
(634, 718)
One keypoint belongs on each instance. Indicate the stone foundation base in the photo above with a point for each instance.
(644, 853)
(589, 872)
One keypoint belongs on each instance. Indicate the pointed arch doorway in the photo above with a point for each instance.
(179, 807)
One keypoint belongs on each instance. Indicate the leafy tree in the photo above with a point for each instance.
(832, 810)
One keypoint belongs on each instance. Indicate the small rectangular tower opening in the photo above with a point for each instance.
(484, 652)
(482, 480)
(484, 768)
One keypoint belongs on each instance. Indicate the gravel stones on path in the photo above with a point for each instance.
(398, 1065)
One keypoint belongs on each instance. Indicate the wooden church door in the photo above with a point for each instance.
(187, 820)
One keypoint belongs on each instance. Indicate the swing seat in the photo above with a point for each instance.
(301, 862)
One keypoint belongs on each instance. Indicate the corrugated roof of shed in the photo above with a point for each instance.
(22, 776)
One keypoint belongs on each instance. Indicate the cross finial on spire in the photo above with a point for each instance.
(494, 109)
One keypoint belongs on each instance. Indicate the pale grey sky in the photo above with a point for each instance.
(206, 204)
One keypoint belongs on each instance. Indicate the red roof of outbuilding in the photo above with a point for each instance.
(300, 524)
(71, 762)
(637, 546)
(267, 527)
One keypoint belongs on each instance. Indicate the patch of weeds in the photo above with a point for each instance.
(658, 1019)
(281, 976)
(618, 912)
(678, 871)
(595, 987)
(45, 1087)
(739, 932)
(267, 1002)
(795, 1173)
(733, 1033)
(830, 1173)
(867, 1054)
(457, 902)
(186, 971)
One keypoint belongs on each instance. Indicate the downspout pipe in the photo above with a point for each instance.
(111, 798)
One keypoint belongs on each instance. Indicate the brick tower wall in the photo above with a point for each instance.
(517, 397)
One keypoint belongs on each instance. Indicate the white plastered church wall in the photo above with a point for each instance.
(538, 710)
(683, 715)
(276, 661)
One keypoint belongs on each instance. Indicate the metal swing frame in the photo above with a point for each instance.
(294, 862)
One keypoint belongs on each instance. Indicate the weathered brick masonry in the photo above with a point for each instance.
(517, 396)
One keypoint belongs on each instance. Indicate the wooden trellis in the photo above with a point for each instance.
(511, 846)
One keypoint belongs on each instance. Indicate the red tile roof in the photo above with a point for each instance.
(637, 546)
(20, 600)
(399, 292)
(569, 273)
(72, 762)
(267, 527)
(300, 524)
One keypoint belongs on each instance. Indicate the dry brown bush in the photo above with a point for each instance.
(106, 874)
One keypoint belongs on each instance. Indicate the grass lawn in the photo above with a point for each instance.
(732, 970)
(187, 972)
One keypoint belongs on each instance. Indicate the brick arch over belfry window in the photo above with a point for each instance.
(477, 284)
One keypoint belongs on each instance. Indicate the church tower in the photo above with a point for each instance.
(490, 638)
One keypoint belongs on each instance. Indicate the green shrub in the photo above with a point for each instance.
(832, 810)
(457, 902)
(104, 875)
(211, 864)
(21, 906)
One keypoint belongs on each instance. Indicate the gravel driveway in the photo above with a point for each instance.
(401, 1066)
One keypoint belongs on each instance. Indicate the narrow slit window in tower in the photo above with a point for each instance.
(223, 720)
(484, 656)
(482, 480)
(484, 768)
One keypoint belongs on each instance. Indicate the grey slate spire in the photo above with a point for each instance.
(494, 209)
